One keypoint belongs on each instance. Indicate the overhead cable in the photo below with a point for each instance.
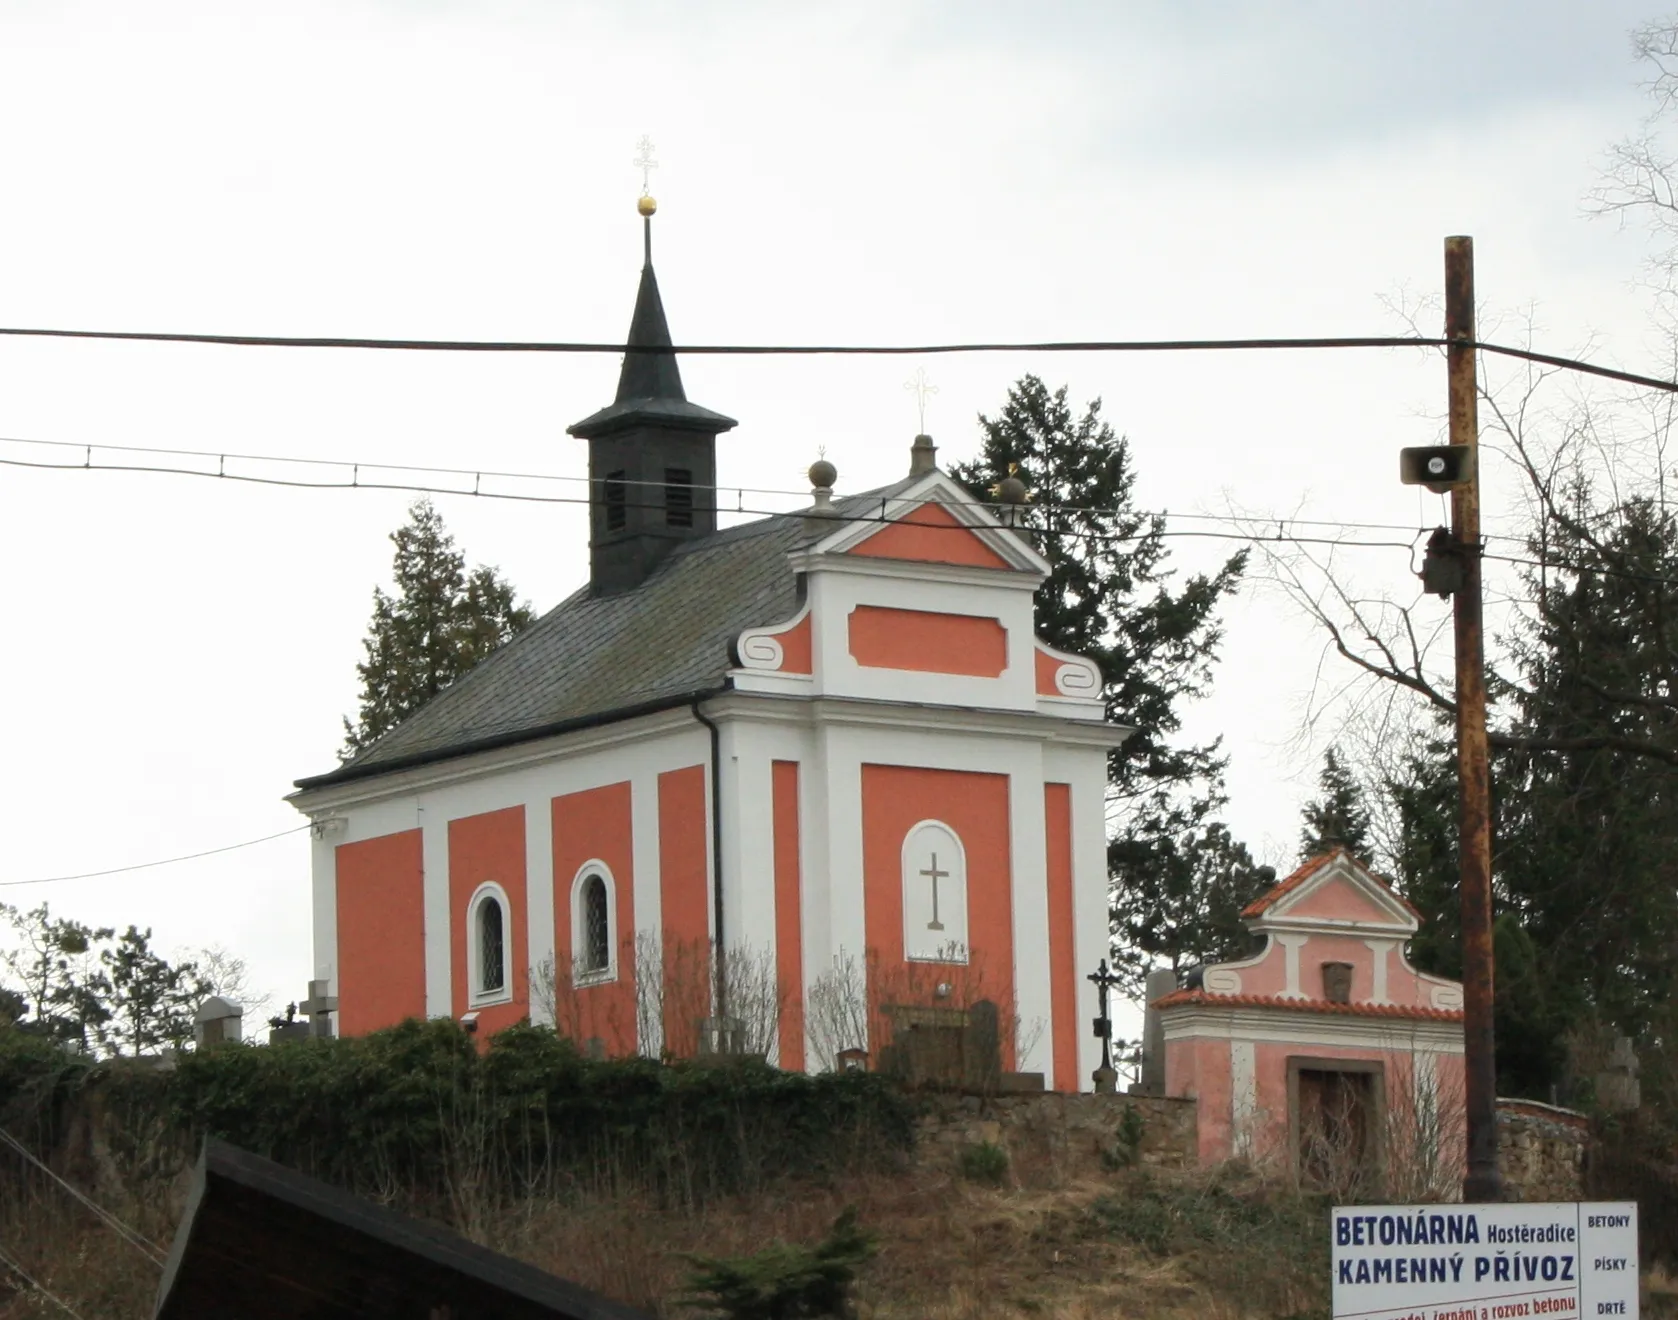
(854, 350)
(146, 866)
(144, 1245)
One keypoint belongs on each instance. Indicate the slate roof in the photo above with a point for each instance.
(594, 658)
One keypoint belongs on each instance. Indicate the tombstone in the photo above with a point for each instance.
(851, 1060)
(926, 1045)
(1617, 1087)
(319, 1007)
(594, 1050)
(982, 1048)
(217, 1021)
(1161, 982)
(722, 1035)
(287, 1027)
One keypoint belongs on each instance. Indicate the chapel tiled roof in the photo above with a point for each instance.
(1412, 1012)
(594, 657)
(1265, 901)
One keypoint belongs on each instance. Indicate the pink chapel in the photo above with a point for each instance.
(816, 766)
(1326, 1045)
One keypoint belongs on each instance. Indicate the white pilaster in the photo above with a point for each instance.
(323, 872)
(434, 865)
(1086, 771)
(1030, 872)
(1381, 949)
(649, 901)
(1243, 1095)
(840, 752)
(1291, 945)
(539, 894)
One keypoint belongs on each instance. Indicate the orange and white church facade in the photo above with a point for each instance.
(819, 741)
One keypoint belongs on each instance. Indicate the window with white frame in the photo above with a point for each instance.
(594, 925)
(489, 945)
(934, 894)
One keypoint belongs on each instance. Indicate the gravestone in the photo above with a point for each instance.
(1617, 1087)
(216, 1021)
(1161, 982)
(982, 1048)
(319, 1007)
(953, 1048)
(722, 1035)
(287, 1027)
(926, 1046)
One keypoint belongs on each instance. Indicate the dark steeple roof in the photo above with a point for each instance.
(650, 384)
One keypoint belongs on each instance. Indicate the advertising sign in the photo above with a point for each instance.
(1484, 1262)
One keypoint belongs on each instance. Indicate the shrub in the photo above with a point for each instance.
(1127, 1140)
(785, 1282)
(420, 1113)
(984, 1162)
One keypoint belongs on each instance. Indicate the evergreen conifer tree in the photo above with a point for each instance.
(152, 1002)
(440, 621)
(1340, 817)
(1179, 880)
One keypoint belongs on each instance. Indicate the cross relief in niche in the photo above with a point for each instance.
(934, 894)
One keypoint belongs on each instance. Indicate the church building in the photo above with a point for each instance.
(789, 786)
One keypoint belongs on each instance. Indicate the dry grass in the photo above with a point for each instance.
(950, 1250)
(1220, 1246)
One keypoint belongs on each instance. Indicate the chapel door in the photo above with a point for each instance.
(1335, 1124)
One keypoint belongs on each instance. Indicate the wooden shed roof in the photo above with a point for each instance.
(259, 1240)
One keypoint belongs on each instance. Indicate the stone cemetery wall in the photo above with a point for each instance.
(1541, 1151)
(1053, 1135)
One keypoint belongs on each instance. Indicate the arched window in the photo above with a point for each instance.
(489, 944)
(594, 924)
(597, 927)
(934, 894)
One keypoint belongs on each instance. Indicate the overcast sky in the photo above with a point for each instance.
(179, 650)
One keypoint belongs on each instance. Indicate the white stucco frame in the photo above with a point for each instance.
(579, 930)
(910, 937)
(476, 996)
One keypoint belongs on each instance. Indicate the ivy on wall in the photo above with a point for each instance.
(420, 1113)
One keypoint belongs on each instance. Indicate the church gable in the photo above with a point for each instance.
(1333, 890)
(932, 521)
(932, 534)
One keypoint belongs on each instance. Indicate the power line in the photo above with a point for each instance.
(740, 508)
(853, 350)
(146, 866)
(144, 1245)
(357, 468)
(59, 1302)
(1250, 535)
(221, 456)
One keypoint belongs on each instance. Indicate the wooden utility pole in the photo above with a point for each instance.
(1473, 771)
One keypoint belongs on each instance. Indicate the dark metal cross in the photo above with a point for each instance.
(935, 875)
(1104, 982)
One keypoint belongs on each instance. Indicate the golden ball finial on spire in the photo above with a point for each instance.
(646, 205)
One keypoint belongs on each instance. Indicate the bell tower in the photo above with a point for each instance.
(652, 455)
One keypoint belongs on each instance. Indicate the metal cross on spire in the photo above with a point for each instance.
(646, 163)
(922, 387)
(646, 206)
